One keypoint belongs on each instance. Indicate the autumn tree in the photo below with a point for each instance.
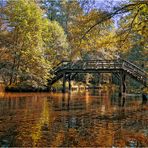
(56, 46)
(94, 41)
(132, 23)
(62, 11)
(25, 60)
(133, 31)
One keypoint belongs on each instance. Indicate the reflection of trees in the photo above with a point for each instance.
(18, 114)
(65, 103)
(42, 123)
(104, 130)
(73, 120)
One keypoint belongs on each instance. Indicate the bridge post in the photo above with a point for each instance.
(122, 83)
(69, 80)
(99, 78)
(64, 83)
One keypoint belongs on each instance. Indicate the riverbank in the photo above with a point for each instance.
(56, 89)
(26, 89)
(110, 87)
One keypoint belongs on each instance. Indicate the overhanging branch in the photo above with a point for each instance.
(120, 10)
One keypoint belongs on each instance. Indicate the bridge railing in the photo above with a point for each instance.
(91, 64)
(105, 64)
(61, 66)
(135, 71)
(133, 68)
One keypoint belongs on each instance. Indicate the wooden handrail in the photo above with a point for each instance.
(55, 67)
(115, 62)
(134, 66)
(100, 61)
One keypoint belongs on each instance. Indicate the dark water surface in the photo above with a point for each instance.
(76, 119)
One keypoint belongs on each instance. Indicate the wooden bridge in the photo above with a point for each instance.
(68, 69)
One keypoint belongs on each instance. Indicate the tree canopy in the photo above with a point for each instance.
(25, 40)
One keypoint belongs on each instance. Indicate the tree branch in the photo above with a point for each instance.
(121, 10)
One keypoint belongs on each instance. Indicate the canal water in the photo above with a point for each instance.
(84, 119)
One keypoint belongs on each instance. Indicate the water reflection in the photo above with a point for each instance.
(84, 119)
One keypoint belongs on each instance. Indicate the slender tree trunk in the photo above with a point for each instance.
(12, 74)
(17, 67)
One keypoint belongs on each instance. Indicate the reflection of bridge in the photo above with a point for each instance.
(121, 68)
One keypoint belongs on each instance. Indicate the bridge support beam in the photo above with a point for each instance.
(64, 83)
(99, 75)
(69, 81)
(122, 84)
